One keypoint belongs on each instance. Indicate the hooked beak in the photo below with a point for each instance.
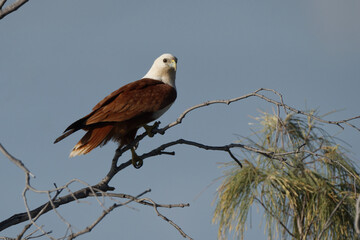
(173, 64)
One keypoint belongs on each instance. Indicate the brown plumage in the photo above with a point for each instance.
(118, 116)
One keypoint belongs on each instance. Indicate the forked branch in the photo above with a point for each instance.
(102, 188)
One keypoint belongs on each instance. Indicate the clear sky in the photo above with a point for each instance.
(59, 58)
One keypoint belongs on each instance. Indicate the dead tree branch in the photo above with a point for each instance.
(11, 7)
(17, 162)
(257, 94)
(144, 201)
(102, 188)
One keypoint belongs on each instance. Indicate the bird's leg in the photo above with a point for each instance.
(137, 162)
(149, 129)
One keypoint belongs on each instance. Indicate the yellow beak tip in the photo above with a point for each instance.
(173, 64)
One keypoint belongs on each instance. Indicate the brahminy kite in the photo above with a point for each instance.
(118, 116)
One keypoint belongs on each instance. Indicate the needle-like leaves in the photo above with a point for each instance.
(310, 195)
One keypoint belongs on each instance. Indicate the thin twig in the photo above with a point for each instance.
(257, 94)
(105, 212)
(168, 220)
(328, 222)
(17, 162)
(37, 236)
(141, 201)
(280, 222)
(36, 217)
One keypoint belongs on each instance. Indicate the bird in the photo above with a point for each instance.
(119, 115)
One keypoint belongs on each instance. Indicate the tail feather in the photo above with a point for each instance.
(75, 126)
(92, 139)
(64, 135)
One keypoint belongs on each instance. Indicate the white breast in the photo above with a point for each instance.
(158, 114)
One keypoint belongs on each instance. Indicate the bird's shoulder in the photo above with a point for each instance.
(128, 89)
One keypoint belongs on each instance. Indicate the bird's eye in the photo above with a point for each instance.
(164, 60)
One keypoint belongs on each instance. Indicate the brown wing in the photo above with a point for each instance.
(132, 100)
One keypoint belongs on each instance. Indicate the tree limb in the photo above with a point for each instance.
(102, 188)
(2, 3)
(261, 96)
(10, 8)
(102, 216)
(17, 162)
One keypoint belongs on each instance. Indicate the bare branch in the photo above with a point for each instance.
(80, 194)
(234, 158)
(101, 189)
(102, 216)
(16, 161)
(30, 224)
(142, 200)
(256, 94)
(11, 8)
(168, 220)
(102, 186)
(2, 2)
(37, 236)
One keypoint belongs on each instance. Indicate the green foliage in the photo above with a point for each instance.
(308, 195)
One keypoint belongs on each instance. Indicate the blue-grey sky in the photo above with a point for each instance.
(59, 58)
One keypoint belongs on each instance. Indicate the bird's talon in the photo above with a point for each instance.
(136, 161)
(149, 129)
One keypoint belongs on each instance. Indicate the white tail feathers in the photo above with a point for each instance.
(80, 149)
(92, 139)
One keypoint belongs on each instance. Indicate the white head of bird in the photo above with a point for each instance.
(164, 69)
